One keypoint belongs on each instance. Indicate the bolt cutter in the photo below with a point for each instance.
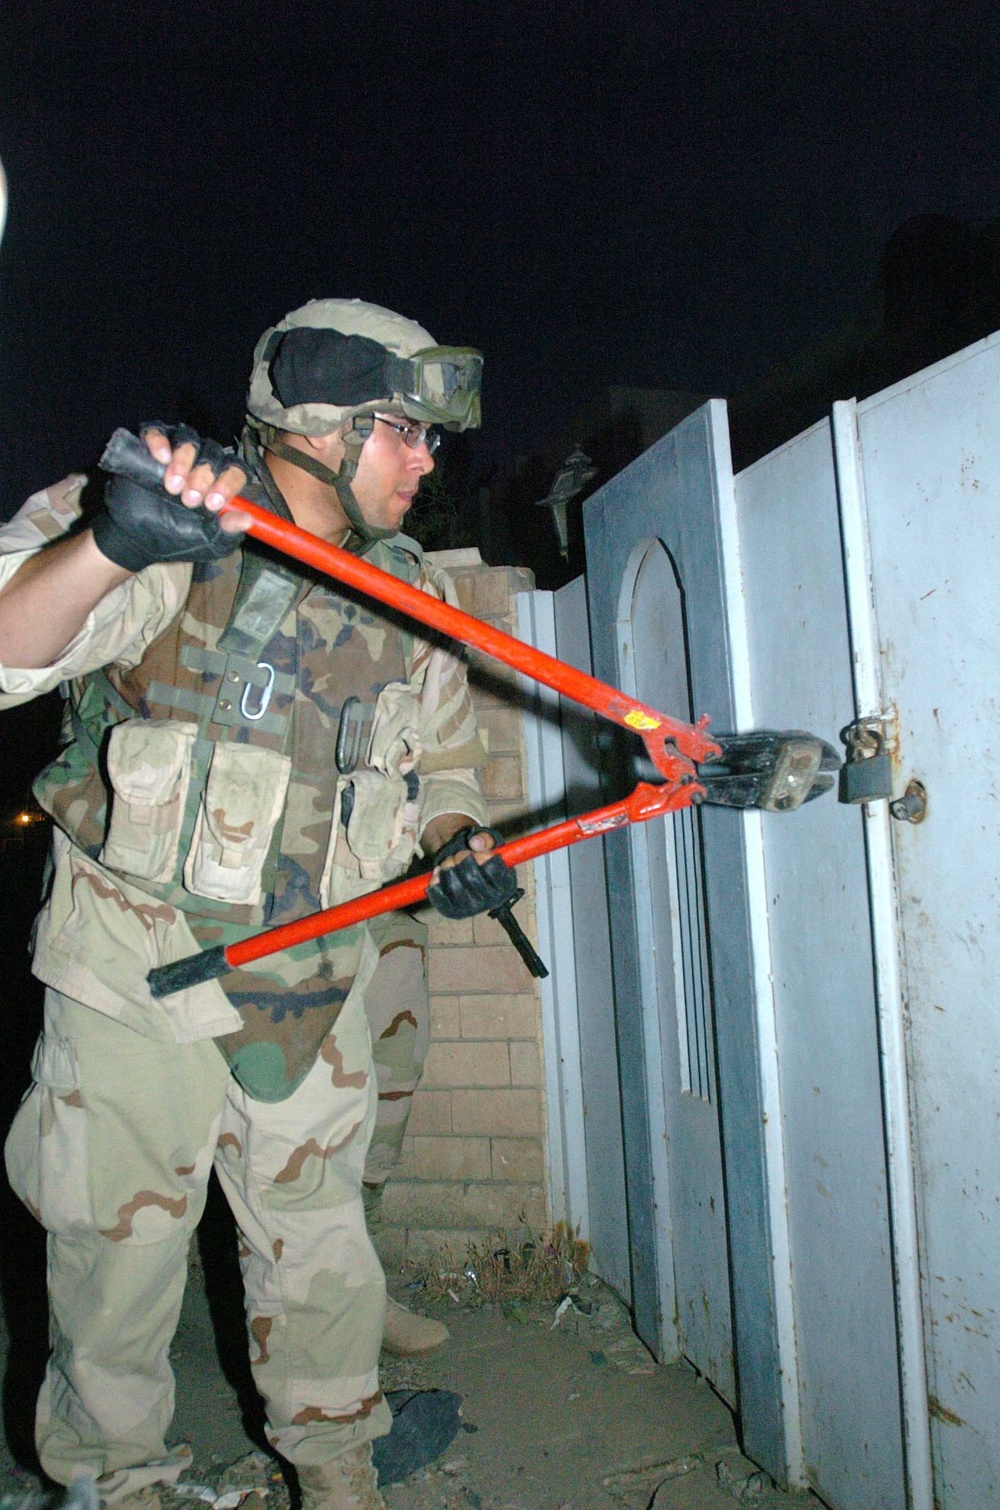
(765, 769)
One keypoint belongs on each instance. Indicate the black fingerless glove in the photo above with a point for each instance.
(465, 889)
(143, 523)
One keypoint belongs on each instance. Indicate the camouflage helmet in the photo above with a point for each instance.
(336, 359)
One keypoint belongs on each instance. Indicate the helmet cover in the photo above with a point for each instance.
(334, 359)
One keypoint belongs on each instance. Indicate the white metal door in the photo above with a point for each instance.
(930, 479)
(826, 1112)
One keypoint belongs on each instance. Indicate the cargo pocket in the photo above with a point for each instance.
(46, 1153)
(149, 766)
(243, 799)
(394, 746)
(383, 827)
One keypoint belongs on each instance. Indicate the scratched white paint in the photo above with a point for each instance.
(930, 450)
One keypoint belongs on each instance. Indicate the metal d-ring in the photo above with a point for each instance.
(264, 697)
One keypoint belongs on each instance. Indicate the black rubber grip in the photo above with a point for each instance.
(127, 456)
(166, 979)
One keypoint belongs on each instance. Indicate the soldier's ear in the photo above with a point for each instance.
(327, 448)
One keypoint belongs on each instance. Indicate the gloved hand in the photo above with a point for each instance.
(465, 889)
(143, 524)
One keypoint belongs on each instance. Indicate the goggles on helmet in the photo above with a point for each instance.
(311, 365)
(445, 386)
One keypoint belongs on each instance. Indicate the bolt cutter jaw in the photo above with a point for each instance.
(775, 771)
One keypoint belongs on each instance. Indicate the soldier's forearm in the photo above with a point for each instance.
(48, 599)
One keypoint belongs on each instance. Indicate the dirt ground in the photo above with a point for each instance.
(567, 1414)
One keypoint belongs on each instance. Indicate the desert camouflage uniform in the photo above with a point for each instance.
(398, 1011)
(132, 1104)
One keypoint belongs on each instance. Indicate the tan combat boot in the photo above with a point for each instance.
(407, 1335)
(348, 1482)
(404, 1335)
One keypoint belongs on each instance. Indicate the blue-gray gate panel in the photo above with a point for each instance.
(670, 494)
(595, 997)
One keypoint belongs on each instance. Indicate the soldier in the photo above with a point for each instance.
(245, 743)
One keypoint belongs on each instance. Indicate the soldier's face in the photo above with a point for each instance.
(388, 475)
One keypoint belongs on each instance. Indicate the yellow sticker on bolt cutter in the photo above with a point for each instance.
(637, 720)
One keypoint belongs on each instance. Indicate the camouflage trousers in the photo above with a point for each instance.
(398, 1014)
(112, 1149)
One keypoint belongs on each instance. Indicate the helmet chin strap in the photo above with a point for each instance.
(340, 480)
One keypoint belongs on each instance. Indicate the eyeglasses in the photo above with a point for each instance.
(412, 434)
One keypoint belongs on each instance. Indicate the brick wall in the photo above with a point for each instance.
(474, 1157)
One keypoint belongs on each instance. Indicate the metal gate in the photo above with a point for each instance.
(851, 961)
(660, 520)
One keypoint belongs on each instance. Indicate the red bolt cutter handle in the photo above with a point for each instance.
(674, 748)
(645, 802)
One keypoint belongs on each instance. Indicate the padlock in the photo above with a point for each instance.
(865, 777)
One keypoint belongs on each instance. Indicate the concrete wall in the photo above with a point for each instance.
(474, 1156)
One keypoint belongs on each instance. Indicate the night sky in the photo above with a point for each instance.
(675, 195)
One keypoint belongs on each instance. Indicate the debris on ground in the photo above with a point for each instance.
(501, 1270)
(645, 1480)
(520, 1282)
(251, 1481)
(724, 1479)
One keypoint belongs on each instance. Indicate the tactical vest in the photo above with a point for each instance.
(206, 776)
